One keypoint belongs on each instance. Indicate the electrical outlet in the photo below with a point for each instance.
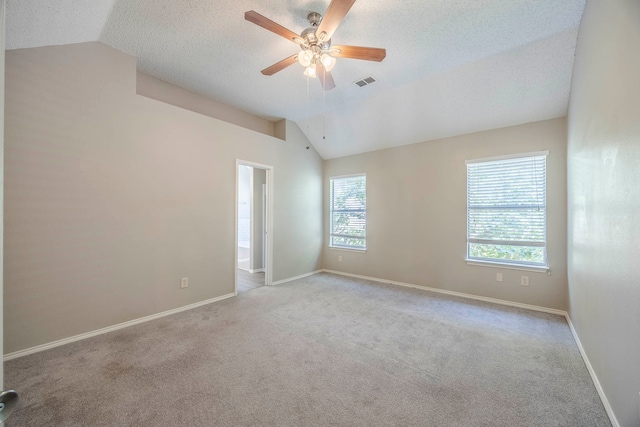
(524, 280)
(498, 277)
(184, 282)
(339, 258)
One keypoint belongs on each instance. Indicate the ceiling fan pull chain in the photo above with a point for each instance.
(308, 104)
(324, 137)
(324, 105)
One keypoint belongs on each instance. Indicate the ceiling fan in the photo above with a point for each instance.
(318, 56)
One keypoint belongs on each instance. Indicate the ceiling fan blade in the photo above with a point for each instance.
(268, 24)
(334, 15)
(359, 52)
(326, 79)
(279, 66)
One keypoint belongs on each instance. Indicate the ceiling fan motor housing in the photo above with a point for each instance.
(314, 19)
(309, 34)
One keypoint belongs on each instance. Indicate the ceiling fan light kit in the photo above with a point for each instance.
(309, 58)
(305, 57)
(328, 61)
(317, 56)
(310, 71)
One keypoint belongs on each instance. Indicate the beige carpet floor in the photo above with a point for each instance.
(321, 351)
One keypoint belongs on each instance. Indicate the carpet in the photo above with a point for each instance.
(325, 350)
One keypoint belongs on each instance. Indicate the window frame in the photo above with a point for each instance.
(331, 211)
(505, 263)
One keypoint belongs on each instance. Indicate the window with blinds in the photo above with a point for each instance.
(507, 209)
(349, 212)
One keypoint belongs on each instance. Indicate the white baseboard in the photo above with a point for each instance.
(594, 378)
(291, 279)
(454, 293)
(101, 331)
(256, 270)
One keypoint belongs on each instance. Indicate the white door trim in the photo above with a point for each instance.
(2, 37)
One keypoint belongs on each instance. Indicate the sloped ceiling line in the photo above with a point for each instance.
(451, 67)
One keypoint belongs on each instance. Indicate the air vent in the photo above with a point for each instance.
(365, 81)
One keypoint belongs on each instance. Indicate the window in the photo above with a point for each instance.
(349, 212)
(506, 210)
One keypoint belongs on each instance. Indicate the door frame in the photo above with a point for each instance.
(268, 235)
(2, 83)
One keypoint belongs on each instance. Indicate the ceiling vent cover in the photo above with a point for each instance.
(366, 81)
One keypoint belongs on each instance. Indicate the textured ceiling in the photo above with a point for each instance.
(452, 67)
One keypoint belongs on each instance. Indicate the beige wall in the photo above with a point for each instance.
(162, 91)
(257, 221)
(111, 197)
(416, 214)
(604, 199)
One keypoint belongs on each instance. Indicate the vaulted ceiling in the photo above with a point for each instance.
(452, 66)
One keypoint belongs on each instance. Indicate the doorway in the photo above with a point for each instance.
(253, 226)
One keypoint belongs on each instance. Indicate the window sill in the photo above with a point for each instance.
(339, 248)
(508, 266)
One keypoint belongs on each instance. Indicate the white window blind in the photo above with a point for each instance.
(506, 210)
(349, 212)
